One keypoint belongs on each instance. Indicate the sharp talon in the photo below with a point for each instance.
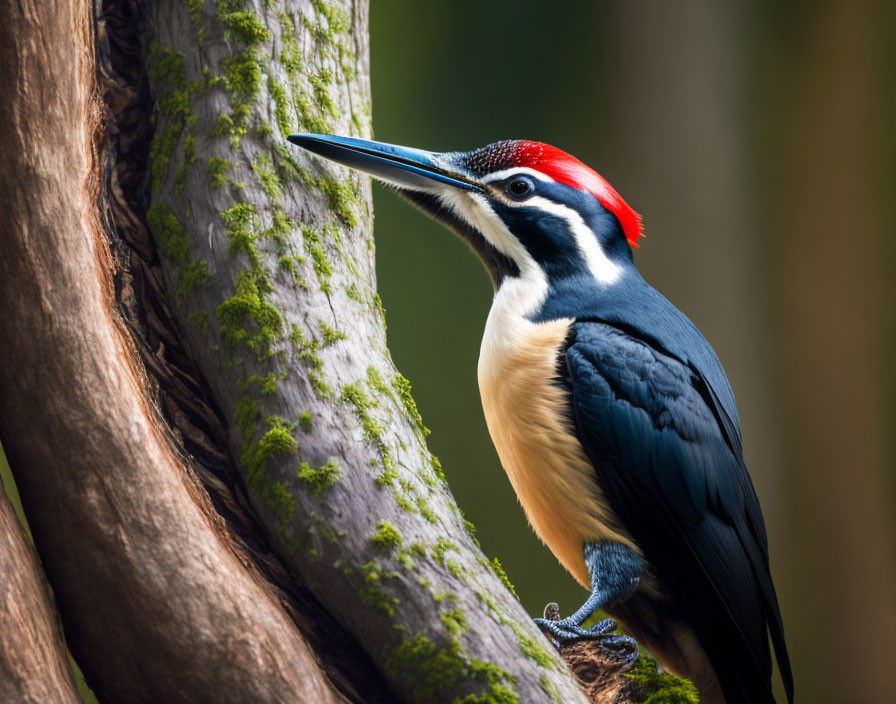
(552, 612)
(613, 647)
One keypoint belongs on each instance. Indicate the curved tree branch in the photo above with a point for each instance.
(137, 565)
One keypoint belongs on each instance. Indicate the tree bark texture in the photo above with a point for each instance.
(33, 666)
(269, 254)
(156, 605)
(226, 478)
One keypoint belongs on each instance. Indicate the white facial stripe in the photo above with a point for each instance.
(476, 210)
(601, 266)
(517, 171)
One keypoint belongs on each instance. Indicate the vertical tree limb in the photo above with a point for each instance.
(269, 260)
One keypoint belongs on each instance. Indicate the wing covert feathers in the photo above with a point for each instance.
(668, 458)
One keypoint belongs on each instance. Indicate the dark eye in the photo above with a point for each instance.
(520, 187)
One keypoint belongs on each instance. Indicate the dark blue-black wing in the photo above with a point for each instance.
(668, 458)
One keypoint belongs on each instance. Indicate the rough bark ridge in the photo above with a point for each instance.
(33, 668)
(155, 603)
(176, 385)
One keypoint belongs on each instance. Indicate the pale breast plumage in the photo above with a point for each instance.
(529, 421)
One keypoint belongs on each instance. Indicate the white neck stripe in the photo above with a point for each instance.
(604, 270)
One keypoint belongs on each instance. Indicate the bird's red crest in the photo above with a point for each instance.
(563, 168)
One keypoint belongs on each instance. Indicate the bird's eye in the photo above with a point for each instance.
(520, 187)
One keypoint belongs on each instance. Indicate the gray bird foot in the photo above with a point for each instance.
(563, 631)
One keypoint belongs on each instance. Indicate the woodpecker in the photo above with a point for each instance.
(610, 412)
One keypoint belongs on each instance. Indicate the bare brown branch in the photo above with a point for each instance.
(33, 665)
(156, 604)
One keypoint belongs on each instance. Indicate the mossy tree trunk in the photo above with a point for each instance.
(226, 477)
(270, 255)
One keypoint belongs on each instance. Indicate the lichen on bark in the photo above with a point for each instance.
(286, 325)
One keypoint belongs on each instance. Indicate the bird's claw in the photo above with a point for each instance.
(552, 611)
(613, 646)
(569, 631)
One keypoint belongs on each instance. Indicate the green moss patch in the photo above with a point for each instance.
(192, 276)
(266, 384)
(425, 510)
(530, 648)
(353, 293)
(244, 27)
(322, 478)
(168, 232)
(264, 170)
(386, 537)
(428, 669)
(315, 249)
(550, 689)
(239, 221)
(242, 77)
(341, 199)
(442, 546)
(281, 107)
(373, 431)
(431, 671)
(502, 575)
(199, 318)
(248, 318)
(371, 592)
(379, 308)
(276, 441)
(407, 555)
(169, 66)
(169, 235)
(330, 334)
(375, 381)
(437, 468)
(307, 351)
(454, 620)
(403, 388)
(281, 501)
(216, 172)
(328, 533)
(661, 688)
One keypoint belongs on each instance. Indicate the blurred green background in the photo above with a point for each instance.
(756, 140)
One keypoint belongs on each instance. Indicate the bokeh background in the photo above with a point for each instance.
(757, 140)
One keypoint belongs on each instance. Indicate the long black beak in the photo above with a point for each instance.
(402, 166)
